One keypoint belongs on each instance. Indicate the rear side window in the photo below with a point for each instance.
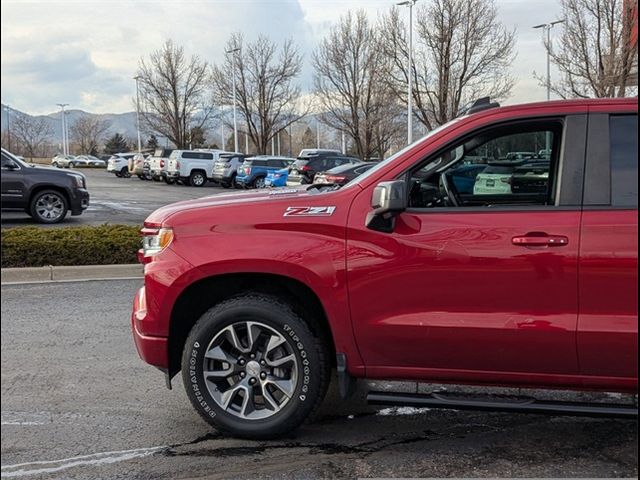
(198, 155)
(623, 134)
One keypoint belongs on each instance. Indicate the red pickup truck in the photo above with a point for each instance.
(407, 272)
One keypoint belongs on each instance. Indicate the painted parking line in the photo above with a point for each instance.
(94, 459)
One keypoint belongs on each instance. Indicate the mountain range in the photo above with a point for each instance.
(123, 123)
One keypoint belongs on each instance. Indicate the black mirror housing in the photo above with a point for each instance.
(388, 200)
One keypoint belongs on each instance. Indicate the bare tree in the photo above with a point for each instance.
(462, 52)
(595, 54)
(88, 132)
(267, 97)
(349, 87)
(31, 133)
(173, 93)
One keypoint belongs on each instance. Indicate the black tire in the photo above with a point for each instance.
(55, 164)
(124, 173)
(117, 174)
(141, 177)
(258, 182)
(169, 181)
(39, 216)
(230, 183)
(197, 178)
(311, 355)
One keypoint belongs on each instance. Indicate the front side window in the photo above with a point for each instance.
(623, 135)
(510, 165)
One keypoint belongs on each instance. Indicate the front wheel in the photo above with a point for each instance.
(169, 181)
(252, 367)
(48, 206)
(124, 173)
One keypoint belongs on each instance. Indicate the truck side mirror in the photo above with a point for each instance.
(388, 200)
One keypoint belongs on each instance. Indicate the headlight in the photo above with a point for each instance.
(154, 240)
(79, 180)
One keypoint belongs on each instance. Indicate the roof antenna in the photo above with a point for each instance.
(481, 104)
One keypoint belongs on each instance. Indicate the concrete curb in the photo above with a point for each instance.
(70, 273)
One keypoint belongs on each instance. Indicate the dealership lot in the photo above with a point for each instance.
(120, 200)
(77, 402)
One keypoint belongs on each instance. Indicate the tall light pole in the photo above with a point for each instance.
(66, 131)
(233, 76)
(136, 78)
(222, 147)
(410, 4)
(7, 109)
(546, 29)
(64, 124)
(317, 133)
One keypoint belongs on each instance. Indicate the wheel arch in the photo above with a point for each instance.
(205, 293)
(41, 187)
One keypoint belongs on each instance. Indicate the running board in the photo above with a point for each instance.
(501, 403)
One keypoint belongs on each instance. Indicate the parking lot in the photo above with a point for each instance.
(77, 402)
(120, 200)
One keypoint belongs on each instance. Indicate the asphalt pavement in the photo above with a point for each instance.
(78, 403)
(119, 200)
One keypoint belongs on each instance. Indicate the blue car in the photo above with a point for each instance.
(464, 177)
(277, 178)
(253, 172)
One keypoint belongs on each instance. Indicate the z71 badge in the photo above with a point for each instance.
(309, 211)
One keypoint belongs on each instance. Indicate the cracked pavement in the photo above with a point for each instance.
(77, 403)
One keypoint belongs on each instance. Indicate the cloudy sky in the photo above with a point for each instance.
(85, 52)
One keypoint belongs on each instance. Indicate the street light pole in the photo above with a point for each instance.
(64, 135)
(546, 28)
(410, 4)
(233, 76)
(136, 78)
(7, 109)
(222, 144)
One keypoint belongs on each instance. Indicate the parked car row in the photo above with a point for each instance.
(231, 169)
(70, 161)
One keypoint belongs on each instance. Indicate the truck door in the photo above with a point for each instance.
(476, 282)
(608, 320)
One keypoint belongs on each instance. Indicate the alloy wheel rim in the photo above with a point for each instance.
(198, 180)
(260, 183)
(250, 370)
(49, 207)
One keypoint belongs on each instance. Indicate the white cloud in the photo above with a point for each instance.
(86, 52)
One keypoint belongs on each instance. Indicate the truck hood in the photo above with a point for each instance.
(49, 170)
(232, 198)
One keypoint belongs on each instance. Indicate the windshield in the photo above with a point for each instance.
(392, 158)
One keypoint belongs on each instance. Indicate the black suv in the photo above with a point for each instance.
(44, 193)
(304, 169)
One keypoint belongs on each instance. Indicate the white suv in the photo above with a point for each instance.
(118, 164)
(192, 167)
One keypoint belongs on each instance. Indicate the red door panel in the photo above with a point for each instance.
(608, 322)
(459, 291)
